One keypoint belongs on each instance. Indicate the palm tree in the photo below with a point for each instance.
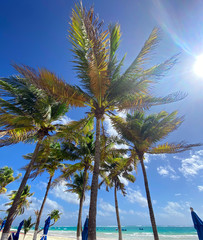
(115, 166)
(23, 202)
(26, 114)
(104, 88)
(143, 133)
(49, 159)
(6, 177)
(84, 152)
(55, 215)
(79, 186)
(27, 225)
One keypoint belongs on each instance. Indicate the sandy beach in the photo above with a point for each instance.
(50, 237)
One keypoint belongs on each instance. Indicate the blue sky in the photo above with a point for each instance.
(35, 33)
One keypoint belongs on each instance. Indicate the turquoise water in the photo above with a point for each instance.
(132, 233)
(134, 229)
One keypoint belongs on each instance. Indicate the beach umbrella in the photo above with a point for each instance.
(198, 224)
(85, 230)
(15, 236)
(3, 224)
(46, 228)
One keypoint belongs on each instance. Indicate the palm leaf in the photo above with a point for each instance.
(52, 85)
(172, 148)
(90, 46)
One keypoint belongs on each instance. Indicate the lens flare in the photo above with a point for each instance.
(198, 66)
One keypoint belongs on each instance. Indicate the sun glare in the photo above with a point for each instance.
(198, 66)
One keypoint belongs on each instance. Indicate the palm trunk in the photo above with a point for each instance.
(79, 226)
(14, 206)
(117, 214)
(41, 209)
(151, 212)
(94, 186)
(79, 219)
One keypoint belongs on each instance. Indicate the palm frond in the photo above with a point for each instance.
(52, 85)
(90, 48)
(172, 148)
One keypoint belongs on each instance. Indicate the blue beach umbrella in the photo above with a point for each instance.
(85, 230)
(3, 224)
(15, 236)
(46, 228)
(198, 224)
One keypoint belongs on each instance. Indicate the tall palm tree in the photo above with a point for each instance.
(23, 202)
(143, 133)
(6, 177)
(26, 114)
(104, 89)
(79, 186)
(84, 152)
(112, 170)
(49, 158)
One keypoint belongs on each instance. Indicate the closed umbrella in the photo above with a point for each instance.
(15, 236)
(46, 228)
(3, 224)
(85, 230)
(198, 224)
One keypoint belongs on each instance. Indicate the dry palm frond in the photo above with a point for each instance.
(90, 47)
(172, 148)
(52, 85)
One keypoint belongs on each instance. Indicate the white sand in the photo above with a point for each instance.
(29, 237)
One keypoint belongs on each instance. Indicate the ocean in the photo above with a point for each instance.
(132, 233)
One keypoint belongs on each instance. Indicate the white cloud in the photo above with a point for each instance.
(136, 196)
(148, 157)
(193, 165)
(109, 128)
(103, 213)
(175, 209)
(167, 171)
(107, 207)
(178, 194)
(200, 188)
(124, 181)
(162, 171)
(59, 191)
(63, 120)
(53, 205)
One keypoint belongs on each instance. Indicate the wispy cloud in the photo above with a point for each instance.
(200, 188)
(63, 120)
(148, 157)
(59, 191)
(167, 171)
(175, 209)
(193, 165)
(136, 196)
(109, 127)
(105, 206)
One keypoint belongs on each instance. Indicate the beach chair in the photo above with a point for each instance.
(46, 228)
(3, 224)
(85, 230)
(198, 224)
(15, 236)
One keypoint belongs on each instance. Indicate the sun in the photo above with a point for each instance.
(198, 66)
